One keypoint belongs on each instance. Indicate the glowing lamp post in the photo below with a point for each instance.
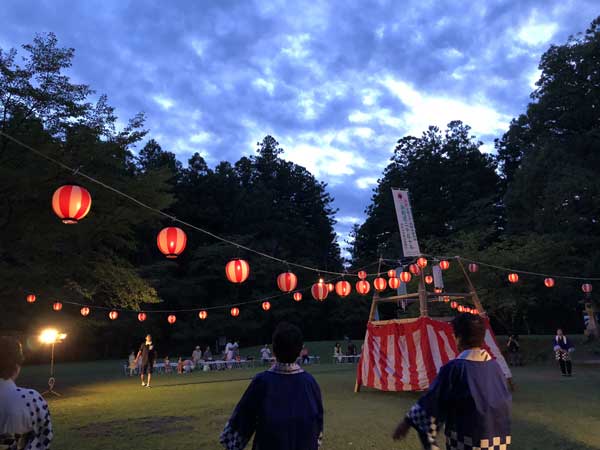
(51, 336)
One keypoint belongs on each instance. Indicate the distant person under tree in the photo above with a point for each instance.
(147, 354)
(562, 351)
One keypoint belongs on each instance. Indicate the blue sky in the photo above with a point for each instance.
(336, 83)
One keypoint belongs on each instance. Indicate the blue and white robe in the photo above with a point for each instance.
(282, 407)
(469, 399)
(563, 348)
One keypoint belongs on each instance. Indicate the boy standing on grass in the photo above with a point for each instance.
(469, 396)
(282, 407)
(148, 355)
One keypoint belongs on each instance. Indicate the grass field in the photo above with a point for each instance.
(101, 409)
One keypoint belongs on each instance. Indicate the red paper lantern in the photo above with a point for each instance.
(319, 291)
(71, 203)
(549, 282)
(391, 273)
(202, 315)
(438, 290)
(380, 284)
(414, 269)
(428, 279)
(330, 287)
(513, 277)
(453, 305)
(461, 308)
(235, 312)
(30, 298)
(394, 283)
(266, 306)
(422, 262)
(446, 299)
(473, 267)
(113, 315)
(142, 316)
(85, 311)
(343, 288)
(444, 265)
(57, 306)
(287, 281)
(363, 287)
(297, 296)
(171, 241)
(405, 277)
(237, 270)
(475, 311)
(362, 274)
(586, 287)
(171, 319)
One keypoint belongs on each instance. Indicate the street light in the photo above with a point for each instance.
(52, 337)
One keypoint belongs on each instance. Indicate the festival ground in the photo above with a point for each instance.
(100, 408)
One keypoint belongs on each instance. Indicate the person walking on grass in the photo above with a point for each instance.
(562, 351)
(469, 398)
(147, 354)
(282, 407)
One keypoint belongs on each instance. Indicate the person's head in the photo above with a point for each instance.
(559, 332)
(148, 338)
(11, 358)
(197, 347)
(469, 330)
(287, 342)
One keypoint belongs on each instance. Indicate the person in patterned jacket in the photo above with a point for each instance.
(24, 416)
(469, 398)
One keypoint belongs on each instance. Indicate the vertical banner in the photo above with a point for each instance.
(406, 224)
(438, 279)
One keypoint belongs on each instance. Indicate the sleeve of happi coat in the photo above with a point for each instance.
(41, 434)
(428, 415)
(242, 424)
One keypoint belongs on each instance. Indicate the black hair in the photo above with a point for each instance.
(470, 328)
(11, 356)
(287, 342)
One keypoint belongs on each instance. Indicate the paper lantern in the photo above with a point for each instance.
(549, 282)
(57, 306)
(362, 274)
(414, 269)
(513, 277)
(297, 296)
(363, 287)
(171, 319)
(235, 312)
(237, 270)
(113, 315)
(473, 267)
(405, 277)
(85, 311)
(380, 284)
(438, 290)
(586, 287)
(30, 298)
(394, 283)
(203, 315)
(171, 241)
(453, 305)
(428, 279)
(319, 291)
(461, 309)
(330, 287)
(287, 281)
(343, 288)
(142, 316)
(444, 264)
(446, 299)
(266, 306)
(71, 203)
(391, 273)
(422, 262)
(475, 311)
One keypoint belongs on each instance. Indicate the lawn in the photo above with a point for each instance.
(102, 409)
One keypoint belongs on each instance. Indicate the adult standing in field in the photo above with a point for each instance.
(147, 354)
(265, 355)
(132, 363)
(304, 355)
(197, 356)
(562, 351)
(207, 354)
(469, 395)
(282, 407)
(514, 350)
(24, 416)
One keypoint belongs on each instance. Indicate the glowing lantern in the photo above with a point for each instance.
(444, 265)
(438, 290)
(461, 308)
(171, 319)
(549, 282)
(85, 311)
(422, 262)
(587, 288)
(380, 284)
(453, 305)
(405, 277)
(142, 316)
(235, 312)
(237, 270)
(363, 287)
(414, 269)
(428, 279)
(473, 267)
(475, 311)
(446, 299)
(394, 283)
(202, 315)
(57, 306)
(171, 241)
(113, 315)
(343, 288)
(71, 203)
(513, 277)
(319, 291)
(362, 274)
(391, 273)
(266, 306)
(330, 287)
(297, 296)
(287, 282)
(30, 298)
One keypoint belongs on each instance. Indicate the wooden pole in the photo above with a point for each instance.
(422, 296)
(472, 290)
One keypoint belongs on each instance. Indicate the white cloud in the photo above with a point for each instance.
(323, 159)
(359, 116)
(200, 137)
(366, 182)
(295, 48)
(363, 132)
(164, 102)
(267, 85)
(536, 33)
(348, 220)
